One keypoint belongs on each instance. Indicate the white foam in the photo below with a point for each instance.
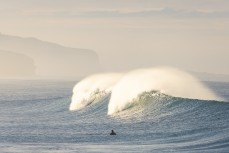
(92, 87)
(167, 80)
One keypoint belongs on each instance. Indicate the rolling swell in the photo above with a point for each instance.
(158, 104)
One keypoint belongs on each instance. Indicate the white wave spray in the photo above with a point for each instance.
(167, 80)
(92, 88)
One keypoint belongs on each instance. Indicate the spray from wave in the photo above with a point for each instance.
(166, 80)
(92, 89)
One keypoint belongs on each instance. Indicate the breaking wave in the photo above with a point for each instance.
(130, 89)
(92, 89)
(169, 81)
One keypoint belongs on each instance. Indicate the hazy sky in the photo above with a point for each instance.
(189, 34)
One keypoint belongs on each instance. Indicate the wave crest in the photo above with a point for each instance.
(92, 88)
(166, 80)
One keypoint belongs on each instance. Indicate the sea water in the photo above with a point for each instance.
(35, 117)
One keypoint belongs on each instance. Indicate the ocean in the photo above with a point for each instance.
(35, 117)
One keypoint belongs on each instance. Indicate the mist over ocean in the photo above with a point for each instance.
(35, 117)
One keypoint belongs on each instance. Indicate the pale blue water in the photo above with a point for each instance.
(34, 117)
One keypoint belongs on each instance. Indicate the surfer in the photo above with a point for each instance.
(112, 132)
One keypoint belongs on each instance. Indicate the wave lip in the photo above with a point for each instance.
(166, 80)
(92, 89)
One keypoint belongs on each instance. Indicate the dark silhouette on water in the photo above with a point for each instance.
(112, 132)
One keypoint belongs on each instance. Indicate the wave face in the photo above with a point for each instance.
(154, 104)
(169, 81)
(92, 88)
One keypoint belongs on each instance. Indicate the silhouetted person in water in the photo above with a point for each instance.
(112, 132)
